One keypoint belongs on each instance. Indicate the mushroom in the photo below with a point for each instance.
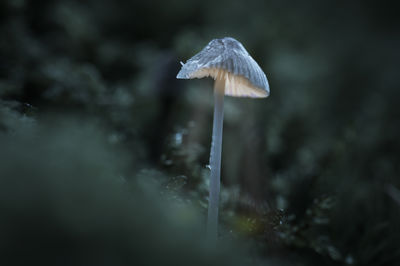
(236, 74)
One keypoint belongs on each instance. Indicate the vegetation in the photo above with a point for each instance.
(104, 153)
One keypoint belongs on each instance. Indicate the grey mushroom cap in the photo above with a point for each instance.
(227, 59)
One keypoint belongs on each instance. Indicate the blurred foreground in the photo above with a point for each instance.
(103, 153)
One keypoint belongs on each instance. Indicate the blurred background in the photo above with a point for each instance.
(104, 153)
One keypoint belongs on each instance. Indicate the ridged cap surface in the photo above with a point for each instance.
(227, 59)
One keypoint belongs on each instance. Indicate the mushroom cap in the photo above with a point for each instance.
(226, 59)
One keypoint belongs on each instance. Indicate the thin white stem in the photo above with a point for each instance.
(215, 161)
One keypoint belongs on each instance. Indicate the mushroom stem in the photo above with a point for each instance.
(215, 160)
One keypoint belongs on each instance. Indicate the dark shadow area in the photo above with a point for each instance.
(104, 153)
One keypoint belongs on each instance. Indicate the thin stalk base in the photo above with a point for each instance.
(215, 161)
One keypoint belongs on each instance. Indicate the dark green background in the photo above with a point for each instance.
(103, 152)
